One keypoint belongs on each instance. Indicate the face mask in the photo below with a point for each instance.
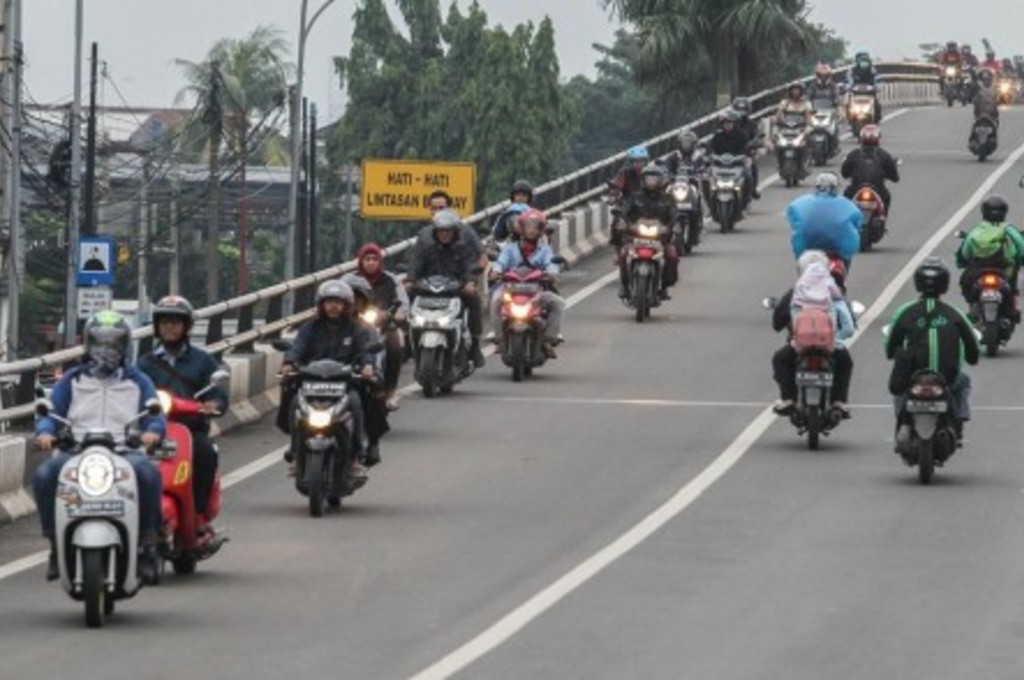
(106, 360)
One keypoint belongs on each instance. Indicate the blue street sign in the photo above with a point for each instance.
(95, 264)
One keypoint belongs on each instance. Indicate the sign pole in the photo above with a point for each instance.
(71, 312)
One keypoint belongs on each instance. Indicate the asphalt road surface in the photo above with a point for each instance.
(549, 517)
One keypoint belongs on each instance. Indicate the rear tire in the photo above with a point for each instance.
(94, 592)
(990, 338)
(926, 462)
(813, 428)
(315, 482)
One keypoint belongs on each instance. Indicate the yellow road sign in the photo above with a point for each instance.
(398, 190)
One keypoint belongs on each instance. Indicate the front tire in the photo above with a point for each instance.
(517, 352)
(94, 591)
(813, 428)
(315, 482)
(428, 371)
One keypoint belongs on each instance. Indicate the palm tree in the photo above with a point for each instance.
(240, 80)
(669, 29)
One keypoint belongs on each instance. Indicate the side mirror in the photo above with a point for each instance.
(153, 407)
(961, 234)
(858, 309)
(887, 330)
(281, 345)
(769, 302)
(43, 407)
(559, 260)
(899, 161)
(220, 377)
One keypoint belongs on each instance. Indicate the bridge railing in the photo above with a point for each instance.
(557, 196)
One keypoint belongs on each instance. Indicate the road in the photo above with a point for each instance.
(779, 562)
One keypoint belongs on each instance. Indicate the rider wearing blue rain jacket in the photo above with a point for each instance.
(825, 221)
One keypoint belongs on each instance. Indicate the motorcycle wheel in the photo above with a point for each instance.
(926, 462)
(990, 338)
(725, 220)
(949, 100)
(184, 565)
(640, 301)
(813, 428)
(428, 357)
(865, 239)
(517, 348)
(819, 156)
(94, 592)
(315, 482)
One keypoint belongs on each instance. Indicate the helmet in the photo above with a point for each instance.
(870, 135)
(796, 86)
(862, 55)
(521, 186)
(446, 219)
(337, 289)
(931, 278)
(173, 306)
(108, 338)
(822, 71)
(741, 105)
(809, 257)
(687, 141)
(985, 77)
(827, 183)
(729, 116)
(837, 268)
(951, 45)
(994, 209)
(532, 217)
(359, 285)
(655, 177)
(990, 55)
(965, 48)
(638, 153)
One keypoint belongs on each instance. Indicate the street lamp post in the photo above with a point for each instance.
(296, 141)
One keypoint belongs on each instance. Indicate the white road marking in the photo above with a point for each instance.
(510, 624)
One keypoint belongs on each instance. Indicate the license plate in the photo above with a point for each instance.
(989, 295)
(789, 153)
(644, 243)
(322, 387)
(926, 406)
(96, 509)
(814, 379)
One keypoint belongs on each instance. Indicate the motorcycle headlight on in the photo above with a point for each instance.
(950, 71)
(680, 193)
(725, 184)
(319, 419)
(95, 474)
(648, 230)
(166, 401)
(519, 312)
(370, 315)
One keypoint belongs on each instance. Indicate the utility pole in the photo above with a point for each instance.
(175, 273)
(89, 213)
(311, 181)
(75, 188)
(215, 121)
(11, 188)
(145, 218)
(302, 229)
(348, 211)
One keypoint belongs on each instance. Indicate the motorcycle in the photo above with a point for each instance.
(952, 84)
(439, 329)
(322, 432)
(1006, 91)
(860, 110)
(645, 263)
(991, 290)
(928, 410)
(97, 516)
(523, 320)
(727, 190)
(182, 544)
(823, 136)
(983, 140)
(690, 215)
(791, 148)
(873, 216)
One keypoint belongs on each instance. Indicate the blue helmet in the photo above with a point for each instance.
(517, 208)
(638, 153)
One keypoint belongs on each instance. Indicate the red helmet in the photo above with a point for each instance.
(531, 217)
(837, 268)
(870, 135)
(822, 71)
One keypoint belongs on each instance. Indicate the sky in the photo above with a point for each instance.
(139, 39)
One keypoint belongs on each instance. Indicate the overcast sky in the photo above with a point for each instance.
(139, 39)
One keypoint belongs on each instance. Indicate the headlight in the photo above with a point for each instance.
(417, 321)
(1004, 87)
(726, 184)
(95, 474)
(445, 320)
(318, 419)
(950, 71)
(371, 315)
(680, 193)
(648, 230)
(520, 311)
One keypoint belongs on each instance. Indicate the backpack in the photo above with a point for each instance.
(813, 329)
(988, 248)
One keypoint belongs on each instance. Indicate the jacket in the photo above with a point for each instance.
(183, 375)
(430, 258)
(511, 257)
(937, 336)
(91, 402)
(735, 142)
(782, 317)
(870, 166)
(344, 341)
(824, 222)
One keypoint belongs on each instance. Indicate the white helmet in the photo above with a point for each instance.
(809, 257)
(827, 183)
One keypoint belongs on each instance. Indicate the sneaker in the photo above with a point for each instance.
(842, 409)
(492, 338)
(548, 348)
(372, 456)
(664, 295)
(358, 471)
(149, 565)
(52, 568)
(623, 292)
(783, 407)
(903, 439)
(756, 193)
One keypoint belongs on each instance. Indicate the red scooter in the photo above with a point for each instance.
(183, 545)
(523, 320)
(873, 211)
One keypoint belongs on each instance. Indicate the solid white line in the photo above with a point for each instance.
(251, 469)
(628, 402)
(513, 622)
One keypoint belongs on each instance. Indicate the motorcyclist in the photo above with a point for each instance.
(440, 200)
(986, 103)
(795, 102)
(991, 63)
(870, 164)
(183, 370)
(755, 139)
(992, 244)
(528, 251)
(930, 334)
(334, 335)
(863, 73)
(785, 358)
(731, 139)
(520, 197)
(968, 58)
(951, 57)
(627, 182)
(103, 393)
(652, 202)
(388, 294)
(825, 221)
(446, 254)
(823, 88)
(690, 159)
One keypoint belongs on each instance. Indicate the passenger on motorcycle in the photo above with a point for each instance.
(103, 393)
(334, 335)
(731, 139)
(929, 334)
(819, 284)
(825, 221)
(520, 196)
(870, 164)
(446, 254)
(528, 251)
(823, 88)
(183, 369)
(388, 293)
(440, 200)
(993, 244)
(652, 202)
(755, 139)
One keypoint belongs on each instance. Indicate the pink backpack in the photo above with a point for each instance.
(813, 329)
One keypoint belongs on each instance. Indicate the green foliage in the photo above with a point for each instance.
(42, 299)
(455, 89)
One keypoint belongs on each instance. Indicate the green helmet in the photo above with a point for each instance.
(108, 338)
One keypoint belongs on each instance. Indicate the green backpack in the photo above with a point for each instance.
(988, 247)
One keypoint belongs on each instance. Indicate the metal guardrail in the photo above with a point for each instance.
(556, 196)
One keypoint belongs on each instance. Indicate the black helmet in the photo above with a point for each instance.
(359, 285)
(521, 186)
(729, 116)
(951, 46)
(741, 105)
(931, 278)
(994, 209)
(796, 86)
(108, 338)
(654, 177)
(985, 77)
(334, 289)
(446, 219)
(173, 306)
